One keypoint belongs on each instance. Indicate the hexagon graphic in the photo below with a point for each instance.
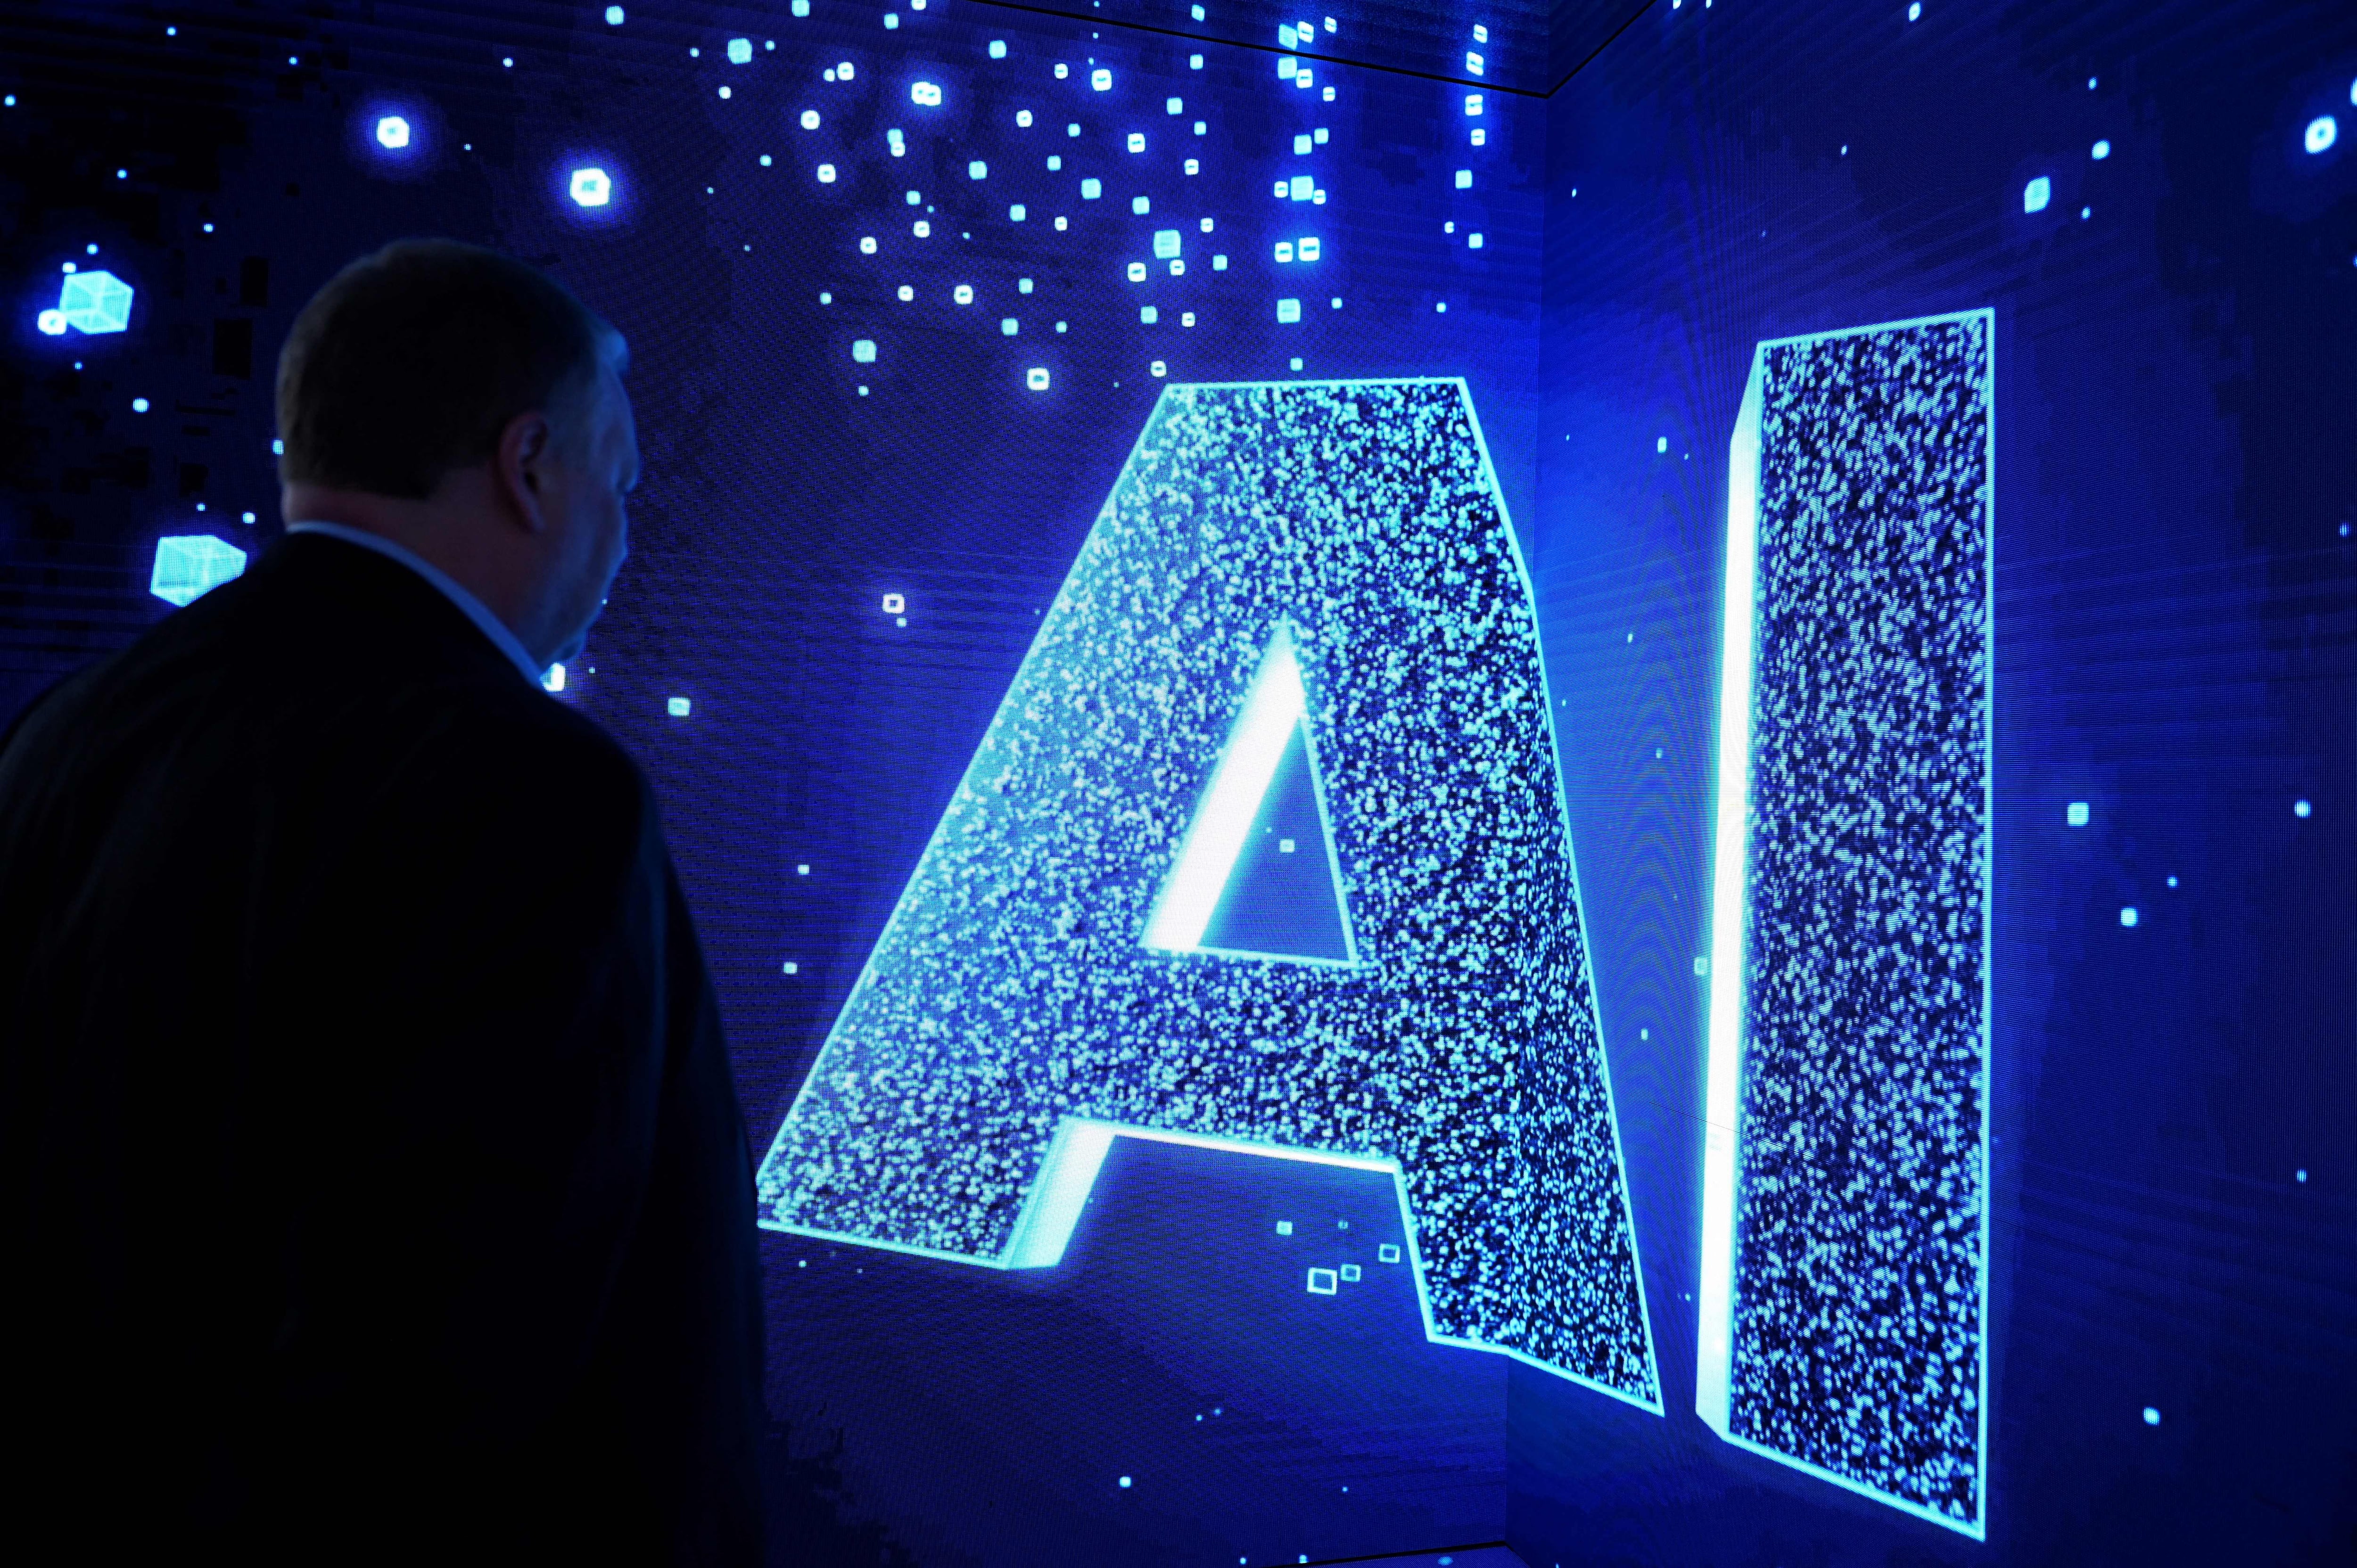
(1265, 850)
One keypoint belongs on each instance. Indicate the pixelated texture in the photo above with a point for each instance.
(1858, 1294)
(1010, 988)
(190, 565)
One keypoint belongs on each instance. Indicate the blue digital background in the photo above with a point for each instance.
(2174, 1176)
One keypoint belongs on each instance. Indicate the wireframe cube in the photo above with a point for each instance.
(191, 565)
(95, 302)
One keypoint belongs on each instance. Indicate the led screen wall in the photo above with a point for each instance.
(1544, 784)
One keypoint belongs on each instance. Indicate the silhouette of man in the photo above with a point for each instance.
(372, 1181)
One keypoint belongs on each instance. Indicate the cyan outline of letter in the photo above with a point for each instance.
(1915, 1448)
(1010, 1022)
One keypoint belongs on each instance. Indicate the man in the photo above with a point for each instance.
(371, 1182)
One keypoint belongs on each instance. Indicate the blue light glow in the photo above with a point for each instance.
(1843, 1307)
(1326, 561)
(740, 51)
(2321, 133)
(95, 302)
(191, 565)
(2037, 194)
(590, 188)
(393, 132)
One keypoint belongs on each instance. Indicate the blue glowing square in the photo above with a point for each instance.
(1323, 1282)
(2076, 815)
(95, 302)
(393, 132)
(591, 187)
(1350, 1272)
(190, 565)
(740, 51)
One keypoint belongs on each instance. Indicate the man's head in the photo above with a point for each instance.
(467, 406)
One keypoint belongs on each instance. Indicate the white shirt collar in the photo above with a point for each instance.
(470, 606)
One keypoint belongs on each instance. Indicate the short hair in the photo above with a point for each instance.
(412, 359)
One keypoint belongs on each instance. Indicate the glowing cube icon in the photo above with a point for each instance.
(95, 302)
(590, 188)
(393, 132)
(740, 51)
(52, 323)
(679, 707)
(2037, 194)
(1036, 378)
(191, 565)
(1101, 79)
(862, 351)
(1288, 310)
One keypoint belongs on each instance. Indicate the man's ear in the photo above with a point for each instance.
(520, 468)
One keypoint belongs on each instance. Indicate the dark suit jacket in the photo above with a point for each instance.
(372, 1181)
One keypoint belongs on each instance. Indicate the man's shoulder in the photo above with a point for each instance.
(511, 730)
(236, 705)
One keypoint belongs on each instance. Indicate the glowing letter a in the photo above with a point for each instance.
(1304, 581)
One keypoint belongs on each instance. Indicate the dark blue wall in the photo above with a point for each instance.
(2176, 644)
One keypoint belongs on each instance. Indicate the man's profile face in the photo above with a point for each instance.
(587, 503)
